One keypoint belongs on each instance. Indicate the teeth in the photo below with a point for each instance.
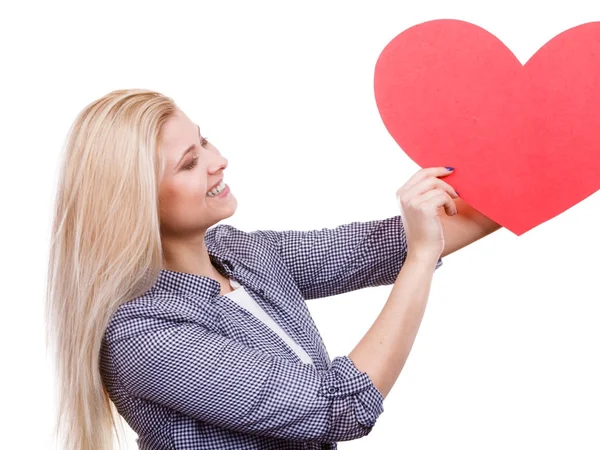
(217, 190)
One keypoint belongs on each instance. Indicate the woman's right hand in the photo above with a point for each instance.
(420, 199)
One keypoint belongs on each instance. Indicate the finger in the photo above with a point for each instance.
(436, 198)
(428, 184)
(422, 174)
(425, 173)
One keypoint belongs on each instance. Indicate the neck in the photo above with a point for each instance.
(189, 255)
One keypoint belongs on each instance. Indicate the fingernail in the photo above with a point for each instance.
(450, 169)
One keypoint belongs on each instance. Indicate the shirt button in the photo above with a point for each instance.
(332, 390)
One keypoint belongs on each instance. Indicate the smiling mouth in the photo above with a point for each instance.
(217, 190)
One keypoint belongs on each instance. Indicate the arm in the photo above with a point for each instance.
(384, 349)
(162, 357)
(217, 380)
(353, 256)
(466, 227)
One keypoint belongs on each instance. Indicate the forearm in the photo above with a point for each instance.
(384, 349)
(466, 227)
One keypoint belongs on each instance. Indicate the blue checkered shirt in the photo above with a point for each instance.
(188, 368)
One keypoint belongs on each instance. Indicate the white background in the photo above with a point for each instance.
(507, 355)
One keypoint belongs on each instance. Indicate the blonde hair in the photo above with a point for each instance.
(105, 249)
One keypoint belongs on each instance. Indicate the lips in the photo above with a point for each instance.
(215, 185)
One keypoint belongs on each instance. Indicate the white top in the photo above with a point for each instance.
(242, 298)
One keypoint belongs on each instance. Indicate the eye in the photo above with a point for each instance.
(191, 165)
(204, 142)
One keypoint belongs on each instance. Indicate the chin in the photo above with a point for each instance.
(230, 210)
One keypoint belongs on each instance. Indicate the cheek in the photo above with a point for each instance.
(167, 196)
(183, 190)
(180, 198)
(194, 189)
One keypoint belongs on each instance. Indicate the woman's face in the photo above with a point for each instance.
(193, 174)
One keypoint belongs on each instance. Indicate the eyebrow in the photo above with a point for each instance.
(189, 149)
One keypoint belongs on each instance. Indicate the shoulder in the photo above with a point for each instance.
(226, 237)
(154, 311)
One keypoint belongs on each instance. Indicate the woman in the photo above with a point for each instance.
(201, 337)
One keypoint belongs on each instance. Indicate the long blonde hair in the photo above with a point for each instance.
(105, 249)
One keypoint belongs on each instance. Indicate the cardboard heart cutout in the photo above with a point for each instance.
(524, 139)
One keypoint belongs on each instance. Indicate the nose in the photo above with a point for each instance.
(217, 163)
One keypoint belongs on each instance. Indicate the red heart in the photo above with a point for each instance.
(524, 139)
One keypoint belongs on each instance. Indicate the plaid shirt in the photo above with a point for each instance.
(188, 368)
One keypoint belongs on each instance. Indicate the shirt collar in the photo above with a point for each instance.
(189, 283)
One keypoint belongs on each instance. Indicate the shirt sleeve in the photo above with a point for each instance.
(353, 256)
(218, 380)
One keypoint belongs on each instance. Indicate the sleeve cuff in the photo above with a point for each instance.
(344, 380)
